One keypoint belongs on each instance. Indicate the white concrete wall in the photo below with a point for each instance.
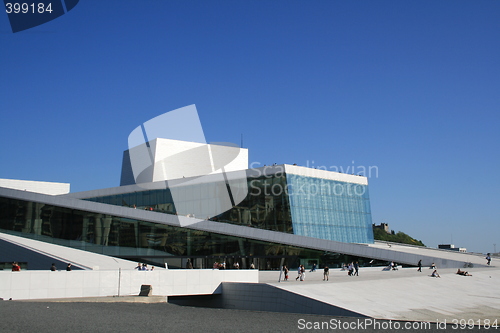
(324, 174)
(175, 159)
(178, 159)
(62, 284)
(50, 188)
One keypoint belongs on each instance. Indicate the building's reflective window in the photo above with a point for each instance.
(265, 206)
(329, 209)
(152, 242)
(319, 208)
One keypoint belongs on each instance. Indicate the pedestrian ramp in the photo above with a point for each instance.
(405, 294)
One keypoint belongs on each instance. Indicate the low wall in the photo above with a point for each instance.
(83, 283)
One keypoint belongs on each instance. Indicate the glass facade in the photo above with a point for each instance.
(329, 209)
(265, 206)
(147, 242)
(305, 206)
(288, 203)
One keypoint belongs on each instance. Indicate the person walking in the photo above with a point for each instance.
(299, 272)
(419, 266)
(356, 268)
(285, 272)
(350, 271)
(488, 259)
(326, 273)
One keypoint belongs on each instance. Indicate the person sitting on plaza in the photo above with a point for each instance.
(435, 274)
(464, 273)
(16, 267)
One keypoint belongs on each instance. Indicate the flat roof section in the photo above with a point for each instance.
(50, 188)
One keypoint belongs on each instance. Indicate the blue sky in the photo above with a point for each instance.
(409, 87)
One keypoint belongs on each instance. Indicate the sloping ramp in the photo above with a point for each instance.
(406, 294)
(40, 255)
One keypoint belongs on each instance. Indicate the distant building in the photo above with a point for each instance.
(452, 247)
(385, 227)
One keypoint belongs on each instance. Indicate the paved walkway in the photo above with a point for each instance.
(404, 294)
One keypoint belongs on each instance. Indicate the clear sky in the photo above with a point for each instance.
(409, 88)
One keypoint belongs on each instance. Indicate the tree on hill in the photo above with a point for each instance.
(399, 237)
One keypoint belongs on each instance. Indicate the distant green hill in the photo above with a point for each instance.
(399, 237)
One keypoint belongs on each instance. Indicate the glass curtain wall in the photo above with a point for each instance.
(265, 207)
(329, 209)
(134, 239)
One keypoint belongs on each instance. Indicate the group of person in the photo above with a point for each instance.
(219, 265)
(301, 272)
(432, 266)
(391, 267)
(352, 268)
(17, 268)
(53, 267)
(222, 265)
(144, 267)
(435, 272)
